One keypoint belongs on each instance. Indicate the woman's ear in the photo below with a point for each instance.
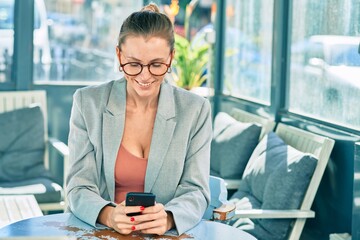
(118, 53)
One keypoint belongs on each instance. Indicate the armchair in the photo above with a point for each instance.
(280, 182)
(24, 146)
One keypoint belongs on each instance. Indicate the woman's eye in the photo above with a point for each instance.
(156, 65)
(134, 64)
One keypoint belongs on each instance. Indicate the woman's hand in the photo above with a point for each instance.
(120, 221)
(152, 220)
(116, 218)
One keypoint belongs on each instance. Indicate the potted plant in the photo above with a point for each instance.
(189, 67)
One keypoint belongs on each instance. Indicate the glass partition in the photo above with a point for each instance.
(78, 39)
(6, 38)
(325, 63)
(248, 44)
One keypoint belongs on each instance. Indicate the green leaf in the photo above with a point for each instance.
(189, 63)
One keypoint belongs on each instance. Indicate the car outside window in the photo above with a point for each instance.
(325, 63)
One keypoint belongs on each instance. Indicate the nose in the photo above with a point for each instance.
(145, 73)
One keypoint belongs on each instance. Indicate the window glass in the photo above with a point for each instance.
(325, 63)
(37, 19)
(76, 40)
(248, 44)
(6, 38)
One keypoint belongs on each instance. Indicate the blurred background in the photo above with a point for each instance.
(293, 61)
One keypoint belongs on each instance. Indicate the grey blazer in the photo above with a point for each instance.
(178, 163)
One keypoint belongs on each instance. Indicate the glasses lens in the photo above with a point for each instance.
(158, 69)
(132, 68)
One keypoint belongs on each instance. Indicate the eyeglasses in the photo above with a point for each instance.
(155, 68)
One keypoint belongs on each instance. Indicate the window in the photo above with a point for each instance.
(325, 64)
(76, 39)
(6, 38)
(248, 44)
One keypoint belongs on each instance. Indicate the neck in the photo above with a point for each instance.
(141, 103)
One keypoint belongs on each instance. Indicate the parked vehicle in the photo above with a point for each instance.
(330, 64)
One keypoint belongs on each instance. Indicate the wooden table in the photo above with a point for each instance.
(67, 225)
(17, 207)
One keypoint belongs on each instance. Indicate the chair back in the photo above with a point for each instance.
(12, 100)
(246, 117)
(321, 148)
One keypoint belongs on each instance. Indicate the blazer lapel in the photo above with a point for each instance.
(113, 128)
(162, 134)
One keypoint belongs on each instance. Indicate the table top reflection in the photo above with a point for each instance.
(70, 227)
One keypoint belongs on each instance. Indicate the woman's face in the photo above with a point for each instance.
(138, 50)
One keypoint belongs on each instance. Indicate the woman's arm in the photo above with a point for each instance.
(82, 188)
(192, 195)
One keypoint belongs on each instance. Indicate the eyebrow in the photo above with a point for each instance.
(139, 60)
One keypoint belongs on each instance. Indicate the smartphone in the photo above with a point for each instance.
(139, 199)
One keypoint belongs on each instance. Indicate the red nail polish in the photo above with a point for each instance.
(133, 228)
(142, 208)
(132, 219)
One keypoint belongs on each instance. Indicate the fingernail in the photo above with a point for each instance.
(132, 219)
(133, 228)
(142, 208)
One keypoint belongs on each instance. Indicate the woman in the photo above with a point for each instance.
(140, 134)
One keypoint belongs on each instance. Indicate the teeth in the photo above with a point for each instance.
(144, 84)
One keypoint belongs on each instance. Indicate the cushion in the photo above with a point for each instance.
(45, 190)
(276, 177)
(22, 144)
(232, 145)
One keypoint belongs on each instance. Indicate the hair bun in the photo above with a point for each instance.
(151, 7)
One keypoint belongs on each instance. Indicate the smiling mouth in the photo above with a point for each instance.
(144, 84)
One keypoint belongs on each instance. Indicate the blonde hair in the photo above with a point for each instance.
(152, 7)
(148, 22)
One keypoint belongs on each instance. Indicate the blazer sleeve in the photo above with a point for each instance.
(192, 195)
(82, 188)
